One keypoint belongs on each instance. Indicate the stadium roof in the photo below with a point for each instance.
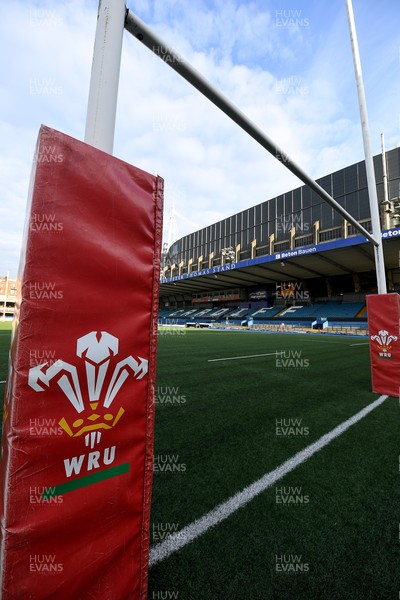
(339, 257)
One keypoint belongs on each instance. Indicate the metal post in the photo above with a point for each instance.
(103, 92)
(369, 163)
(143, 33)
(386, 201)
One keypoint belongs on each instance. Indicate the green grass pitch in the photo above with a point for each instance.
(327, 530)
(330, 528)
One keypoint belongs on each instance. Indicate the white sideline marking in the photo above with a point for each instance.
(238, 357)
(178, 540)
(327, 340)
(2, 381)
(360, 344)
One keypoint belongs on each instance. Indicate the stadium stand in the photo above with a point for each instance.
(341, 317)
(287, 260)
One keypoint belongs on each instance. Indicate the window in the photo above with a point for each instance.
(264, 233)
(251, 217)
(393, 163)
(338, 184)
(306, 197)
(316, 213)
(350, 179)
(297, 200)
(352, 205)
(326, 183)
(288, 205)
(378, 167)
(272, 209)
(326, 216)
(280, 206)
(362, 175)
(258, 216)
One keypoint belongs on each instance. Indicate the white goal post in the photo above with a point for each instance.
(113, 16)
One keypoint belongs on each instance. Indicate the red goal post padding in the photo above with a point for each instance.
(384, 341)
(76, 468)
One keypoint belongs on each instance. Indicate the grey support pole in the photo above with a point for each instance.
(386, 202)
(143, 33)
(369, 163)
(103, 92)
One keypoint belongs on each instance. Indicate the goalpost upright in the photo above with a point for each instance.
(103, 91)
(369, 162)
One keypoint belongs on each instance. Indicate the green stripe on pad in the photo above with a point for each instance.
(76, 484)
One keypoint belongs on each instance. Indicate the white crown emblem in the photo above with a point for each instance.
(96, 349)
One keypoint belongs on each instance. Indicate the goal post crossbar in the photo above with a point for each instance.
(153, 42)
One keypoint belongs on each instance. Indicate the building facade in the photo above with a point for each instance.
(8, 291)
(292, 220)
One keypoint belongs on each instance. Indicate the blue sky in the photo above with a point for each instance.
(287, 64)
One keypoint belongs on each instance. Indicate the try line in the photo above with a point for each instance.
(179, 539)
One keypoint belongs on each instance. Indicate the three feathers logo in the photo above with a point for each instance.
(384, 340)
(98, 350)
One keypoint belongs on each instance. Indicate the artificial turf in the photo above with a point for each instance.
(222, 425)
(341, 526)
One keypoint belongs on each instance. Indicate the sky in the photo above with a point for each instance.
(287, 64)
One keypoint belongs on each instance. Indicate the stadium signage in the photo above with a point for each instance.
(293, 253)
(212, 271)
(258, 295)
(323, 247)
(391, 233)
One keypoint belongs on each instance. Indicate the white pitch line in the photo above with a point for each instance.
(239, 357)
(2, 381)
(178, 540)
(360, 344)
